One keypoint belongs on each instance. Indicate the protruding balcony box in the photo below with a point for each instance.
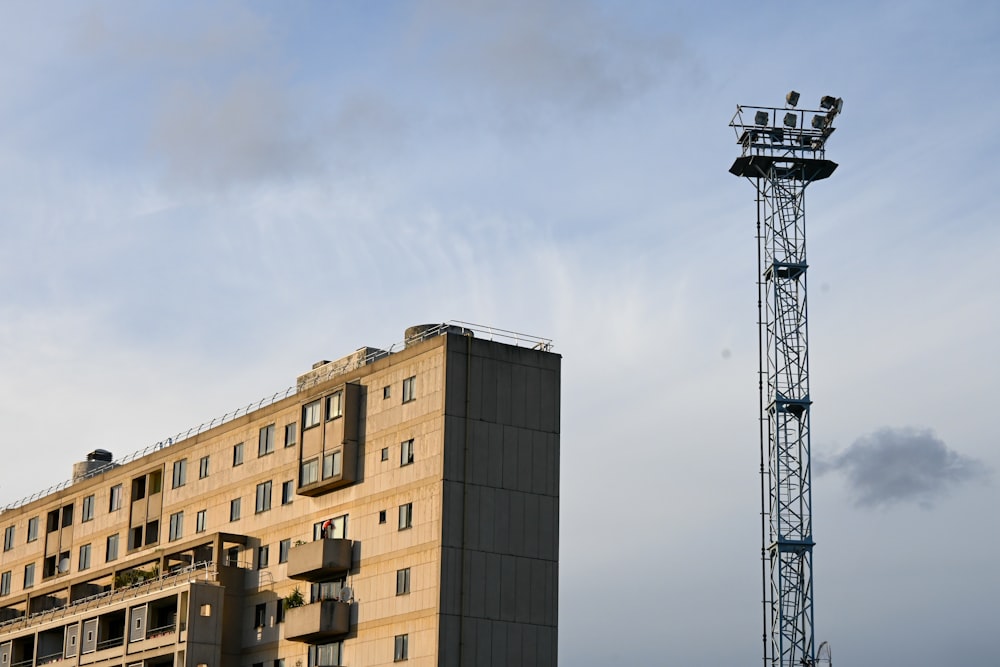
(317, 621)
(322, 559)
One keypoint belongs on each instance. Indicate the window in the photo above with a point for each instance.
(115, 502)
(259, 616)
(203, 467)
(33, 529)
(88, 509)
(310, 415)
(155, 481)
(67, 516)
(331, 529)
(287, 490)
(284, 546)
(176, 526)
(326, 590)
(402, 649)
(280, 662)
(29, 575)
(405, 516)
(84, 562)
(406, 452)
(265, 443)
(180, 473)
(326, 655)
(199, 521)
(263, 497)
(335, 405)
(263, 556)
(279, 617)
(332, 464)
(205, 610)
(381, 516)
(386, 392)
(5, 583)
(409, 389)
(238, 454)
(233, 556)
(8, 538)
(290, 432)
(403, 581)
(310, 472)
(234, 509)
(385, 453)
(111, 548)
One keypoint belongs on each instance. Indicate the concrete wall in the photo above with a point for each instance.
(500, 544)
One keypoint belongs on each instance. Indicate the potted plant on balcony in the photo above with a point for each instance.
(294, 599)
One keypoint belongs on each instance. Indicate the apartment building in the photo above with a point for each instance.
(393, 506)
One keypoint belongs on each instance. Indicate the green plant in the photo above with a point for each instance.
(294, 599)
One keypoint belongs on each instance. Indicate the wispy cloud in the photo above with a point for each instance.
(901, 465)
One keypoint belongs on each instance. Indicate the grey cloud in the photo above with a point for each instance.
(240, 132)
(901, 465)
(553, 54)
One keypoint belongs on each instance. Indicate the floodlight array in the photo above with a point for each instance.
(786, 131)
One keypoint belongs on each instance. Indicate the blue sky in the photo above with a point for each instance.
(197, 201)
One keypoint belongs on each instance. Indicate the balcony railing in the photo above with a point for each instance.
(204, 571)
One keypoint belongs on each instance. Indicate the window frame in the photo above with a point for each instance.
(238, 454)
(284, 547)
(403, 581)
(200, 521)
(405, 516)
(410, 389)
(116, 496)
(32, 529)
(312, 414)
(401, 648)
(84, 559)
(87, 508)
(235, 509)
(334, 405)
(291, 434)
(111, 546)
(204, 465)
(265, 441)
(9, 534)
(29, 582)
(176, 530)
(406, 453)
(179, 476)
(262, 497)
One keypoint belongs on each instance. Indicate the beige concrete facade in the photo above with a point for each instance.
(425, 483)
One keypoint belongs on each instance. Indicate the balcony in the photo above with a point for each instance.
(322, 559)
(318, 621)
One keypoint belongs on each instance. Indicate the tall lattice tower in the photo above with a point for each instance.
(782, 151)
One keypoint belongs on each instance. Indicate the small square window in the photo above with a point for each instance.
(386, 392)
(205, 610)
(385, 453)
(381, 516)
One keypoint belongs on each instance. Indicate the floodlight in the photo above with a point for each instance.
(790, 120)
(820, 122)
(792, 98)
(760, 118)
(777, 136)
(828, 102)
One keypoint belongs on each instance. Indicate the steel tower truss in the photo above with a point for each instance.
(781, 155)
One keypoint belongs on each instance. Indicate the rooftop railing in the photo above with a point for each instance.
(476, 330)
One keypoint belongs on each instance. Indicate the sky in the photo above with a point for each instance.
(199, 200)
